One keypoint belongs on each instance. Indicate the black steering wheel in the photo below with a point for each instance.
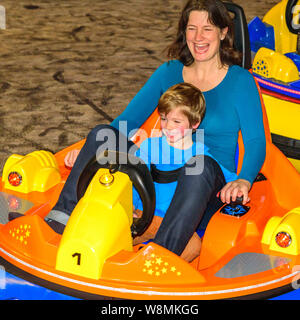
(289, 13)
(138, 173)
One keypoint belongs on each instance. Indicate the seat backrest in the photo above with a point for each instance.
(241, 34)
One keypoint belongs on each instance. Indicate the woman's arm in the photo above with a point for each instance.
(146, 100)
(252, 127)
(142, 105)
(249, 109)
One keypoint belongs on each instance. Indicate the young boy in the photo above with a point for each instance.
(181, 109)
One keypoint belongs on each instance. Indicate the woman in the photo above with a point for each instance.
(203, 55)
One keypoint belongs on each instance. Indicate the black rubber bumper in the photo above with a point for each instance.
(288, 146)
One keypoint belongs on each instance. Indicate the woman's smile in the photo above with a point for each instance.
(201, 48)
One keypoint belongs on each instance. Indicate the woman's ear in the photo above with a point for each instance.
(224, 33)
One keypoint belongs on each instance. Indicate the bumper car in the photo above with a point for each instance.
(247, 252)
(275, 46)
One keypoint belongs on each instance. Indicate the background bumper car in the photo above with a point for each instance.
(275, 46)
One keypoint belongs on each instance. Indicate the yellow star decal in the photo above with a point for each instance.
(148, 263)
(150, 272)
(156, 266)
(21, 233)
(163, 270)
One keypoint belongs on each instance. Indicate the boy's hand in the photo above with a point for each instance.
(233, 189)
(71, 157)
(137, 213)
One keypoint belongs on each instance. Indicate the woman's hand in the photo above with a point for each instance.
(71, 157)
(234, 189)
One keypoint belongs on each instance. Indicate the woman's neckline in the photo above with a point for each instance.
(214, 88)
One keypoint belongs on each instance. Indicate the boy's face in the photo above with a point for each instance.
(175, 125)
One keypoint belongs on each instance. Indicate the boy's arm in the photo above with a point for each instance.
(143, 154)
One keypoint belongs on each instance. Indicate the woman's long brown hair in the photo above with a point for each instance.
(219, 17)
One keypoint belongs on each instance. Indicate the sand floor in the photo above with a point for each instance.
(68, 65)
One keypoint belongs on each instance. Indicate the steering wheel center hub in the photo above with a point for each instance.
(106, 179)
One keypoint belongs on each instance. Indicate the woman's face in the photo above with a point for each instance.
(203, 38)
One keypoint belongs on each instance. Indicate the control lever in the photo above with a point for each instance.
(238, 201)
(235, 208)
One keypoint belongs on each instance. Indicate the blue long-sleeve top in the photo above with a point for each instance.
(231, 106)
